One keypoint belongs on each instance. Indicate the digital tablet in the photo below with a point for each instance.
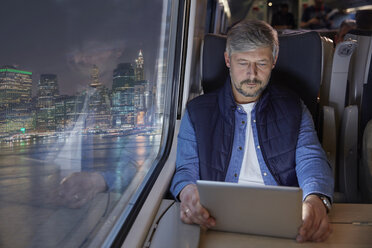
(253, 209)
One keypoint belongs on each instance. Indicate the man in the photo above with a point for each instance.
(283, 19)
(345, 27)
(316, 16)
(249, 131)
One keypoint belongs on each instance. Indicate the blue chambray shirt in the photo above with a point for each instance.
(313, 171)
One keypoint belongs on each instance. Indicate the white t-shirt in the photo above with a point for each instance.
(250, 171)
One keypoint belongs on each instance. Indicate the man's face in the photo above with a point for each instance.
(250, 73)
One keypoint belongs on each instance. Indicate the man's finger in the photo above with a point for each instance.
(307, 216)
(322, 232)
(306, 225)
(185, 218)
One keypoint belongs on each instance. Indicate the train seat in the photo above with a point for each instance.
(333, 95)
(214, 71)
(334, 85)
(300, 69)
(353, 171)
(297, 68)
(366, 164)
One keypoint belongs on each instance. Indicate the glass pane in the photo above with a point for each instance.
(82, 96)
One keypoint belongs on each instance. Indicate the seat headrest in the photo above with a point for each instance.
(214, 72)
(299, 66)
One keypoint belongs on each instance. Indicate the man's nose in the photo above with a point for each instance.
(252, 69)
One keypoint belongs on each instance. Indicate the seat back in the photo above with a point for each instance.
(338, 84)
(214, 70)
(355, 118)
(299, 67)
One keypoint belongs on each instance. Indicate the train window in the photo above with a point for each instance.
(84, 87)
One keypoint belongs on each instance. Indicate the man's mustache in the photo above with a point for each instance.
(250, 81)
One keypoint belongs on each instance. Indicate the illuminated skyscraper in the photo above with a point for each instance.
(140, 70)
(123, 96)
(47, 94)
(123, 77)
(99, 116)
(68, 111)
(95, 83)
(15, 100)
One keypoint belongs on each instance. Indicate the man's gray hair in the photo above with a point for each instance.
(251, 34)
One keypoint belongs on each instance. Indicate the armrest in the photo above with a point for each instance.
(348, 156)
(365, 172)
(329, 139)
(169, 231)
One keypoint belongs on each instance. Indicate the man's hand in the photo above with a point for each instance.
(315, 226)
(191, 209)
(80, 187)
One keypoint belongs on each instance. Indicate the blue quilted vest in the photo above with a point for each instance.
(278, 119)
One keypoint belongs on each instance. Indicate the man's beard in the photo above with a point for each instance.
(250, 81)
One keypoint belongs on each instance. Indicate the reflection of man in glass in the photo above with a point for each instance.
(107, 164)
(283, 19)
(315, 16)
(80, 187)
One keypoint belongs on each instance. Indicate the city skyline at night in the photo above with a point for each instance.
(61, 37)
(127, 104)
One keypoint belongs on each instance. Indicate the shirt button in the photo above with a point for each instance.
(254, 120)
(235, 175)
(240, 148)
(243, 122)
(265, 174)
(258, 147)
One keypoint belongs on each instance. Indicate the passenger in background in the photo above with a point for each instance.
(283, 19)
(252, 132)
(345, 27)
(316, 16)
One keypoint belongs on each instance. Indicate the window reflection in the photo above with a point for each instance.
(80, 118)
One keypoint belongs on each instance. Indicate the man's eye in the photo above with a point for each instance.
(243, 64)
(262, 64)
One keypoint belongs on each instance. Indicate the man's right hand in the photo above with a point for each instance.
(191, 209)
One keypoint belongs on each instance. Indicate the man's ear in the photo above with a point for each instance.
(274, 63)
(227, 59)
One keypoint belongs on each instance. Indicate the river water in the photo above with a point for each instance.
(31, 170)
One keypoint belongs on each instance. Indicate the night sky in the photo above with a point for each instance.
(66, 37)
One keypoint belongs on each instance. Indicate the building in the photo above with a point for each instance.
(139, 102)
(123, 111)
(47, 93)
(140, 70)
(99, 110)
(15, 101)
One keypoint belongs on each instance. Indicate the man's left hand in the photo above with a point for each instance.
(315, 226)
(79, 188)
